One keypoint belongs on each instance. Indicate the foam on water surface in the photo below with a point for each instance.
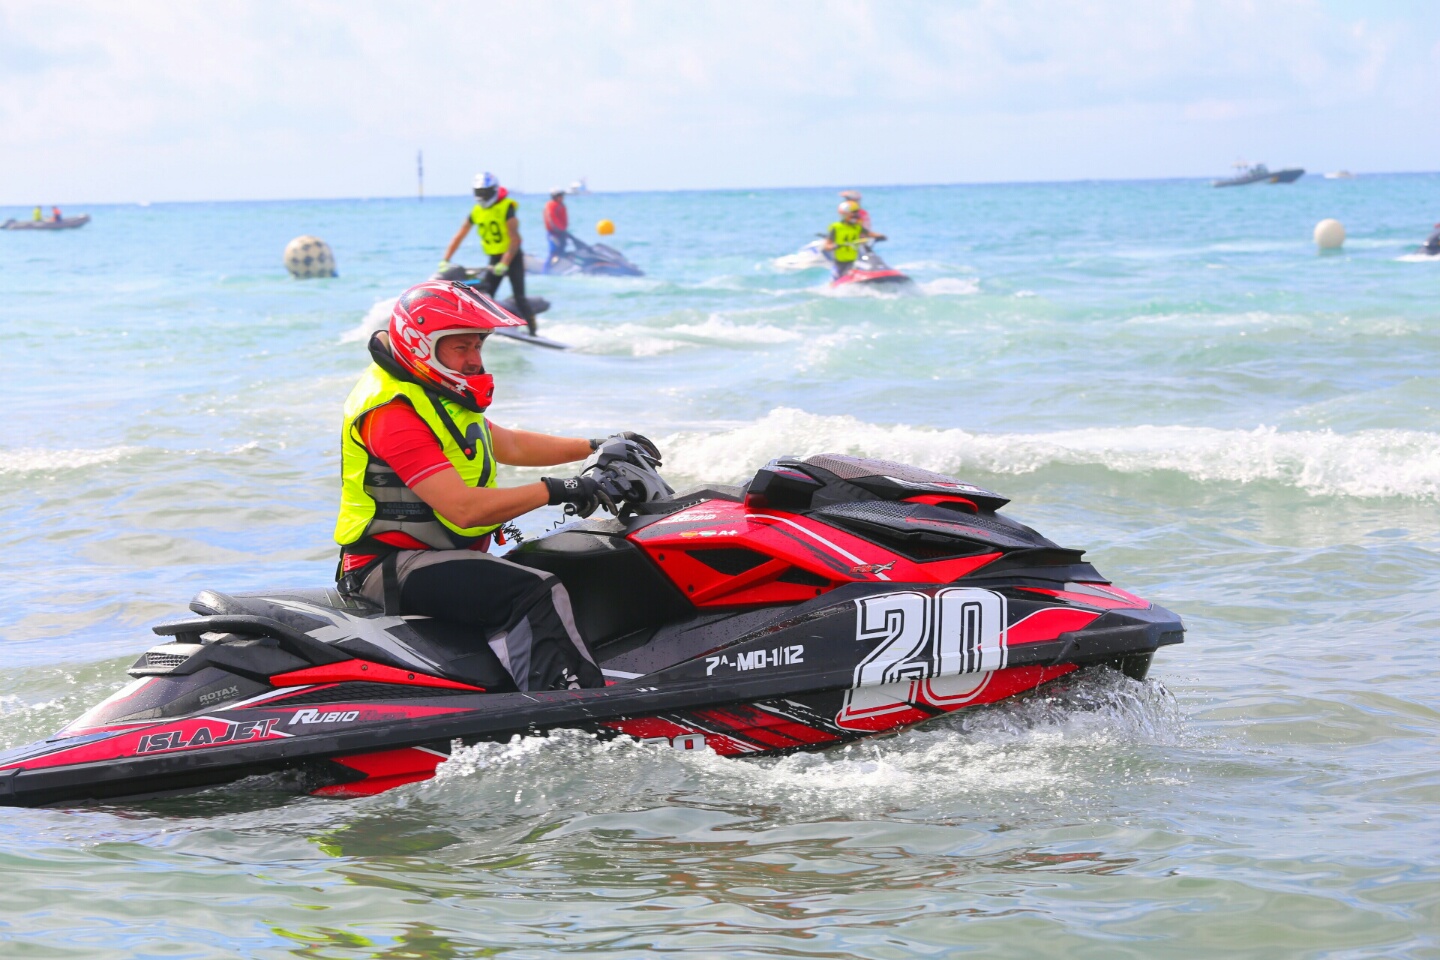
(1062, 741)
(1370, 463)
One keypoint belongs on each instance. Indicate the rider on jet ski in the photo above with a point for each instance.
(846, 235)
(1431, 246)
(419, 502)
(864, 214)
(494, 217)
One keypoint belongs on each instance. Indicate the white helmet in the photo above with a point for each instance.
(487, 188)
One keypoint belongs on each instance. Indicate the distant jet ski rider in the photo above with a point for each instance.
(557, 227)
(1432, 242)
(845, 237)
(494, 217)
(864, 214)
(419, 501)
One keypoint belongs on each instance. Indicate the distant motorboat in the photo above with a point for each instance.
(578, 187)
(1340, 175)
(64, 223)
(1259, 173)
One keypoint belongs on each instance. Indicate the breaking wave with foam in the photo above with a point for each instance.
(31, 460)
(1367, 463)
(1064, 740)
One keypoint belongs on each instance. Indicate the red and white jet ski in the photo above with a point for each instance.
(870, 270)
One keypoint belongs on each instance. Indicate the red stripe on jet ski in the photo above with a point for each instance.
(365, 670)
(1093, 599)
(767, 728)
(657, 728)
(385, 771)
(1047, 625)
(743, 727)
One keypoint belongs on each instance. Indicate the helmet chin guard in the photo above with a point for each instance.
(439, 308)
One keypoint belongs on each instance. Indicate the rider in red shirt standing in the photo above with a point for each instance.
(557, 226)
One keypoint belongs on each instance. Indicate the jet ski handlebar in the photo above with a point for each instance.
(626, 472)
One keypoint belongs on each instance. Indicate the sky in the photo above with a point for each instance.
(148, 101)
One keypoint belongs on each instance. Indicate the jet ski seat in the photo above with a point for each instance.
(614, 588)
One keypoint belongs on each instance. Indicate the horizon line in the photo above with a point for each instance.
(677, 190)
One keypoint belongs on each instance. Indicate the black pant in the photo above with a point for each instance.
(516, 273)
(523, 614)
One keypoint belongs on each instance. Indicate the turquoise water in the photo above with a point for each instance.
(1167, 375)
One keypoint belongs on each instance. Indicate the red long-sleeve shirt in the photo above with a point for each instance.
(557, 217)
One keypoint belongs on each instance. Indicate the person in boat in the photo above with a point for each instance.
(55, 215)
(419, 504)
(855, 196)
(37, 216)
(846, 235)
(495, 219)
(557, 226)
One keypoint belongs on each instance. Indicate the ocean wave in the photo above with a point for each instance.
(1368, 463)
(375, 319)
(32, 460)
(951, 287)
(645, 340)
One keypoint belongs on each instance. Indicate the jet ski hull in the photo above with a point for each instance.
(878, 278)
(870, 271)
(832, 599)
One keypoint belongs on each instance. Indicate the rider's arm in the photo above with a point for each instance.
(397, 435)
(467, 506)
(455, 244)
(521, 448)
(513, 226)
(830, 240)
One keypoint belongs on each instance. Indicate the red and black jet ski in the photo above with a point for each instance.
(828, 599)
(871, 271)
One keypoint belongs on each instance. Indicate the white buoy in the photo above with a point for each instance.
(307, 257)
(1329, 234)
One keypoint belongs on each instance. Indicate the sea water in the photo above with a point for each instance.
(1167, 375)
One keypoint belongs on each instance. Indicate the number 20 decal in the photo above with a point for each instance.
(959, 630)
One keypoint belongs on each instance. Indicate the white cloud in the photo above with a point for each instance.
(149, 100)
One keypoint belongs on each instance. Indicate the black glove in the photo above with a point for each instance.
(641, 441)
(581, 495)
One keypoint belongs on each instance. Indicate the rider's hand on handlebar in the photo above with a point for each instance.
(582, 496)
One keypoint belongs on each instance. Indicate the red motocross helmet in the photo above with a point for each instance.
(437, 308)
